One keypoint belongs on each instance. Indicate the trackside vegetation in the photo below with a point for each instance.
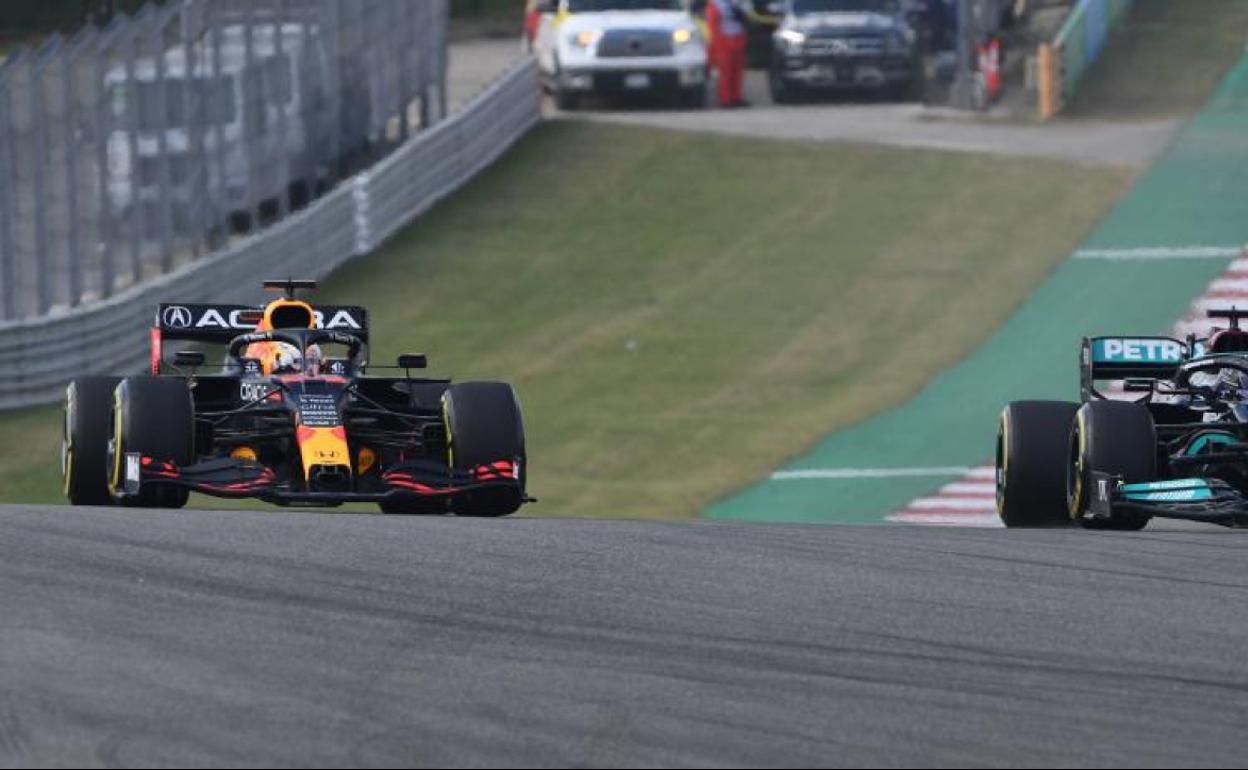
(682, 313)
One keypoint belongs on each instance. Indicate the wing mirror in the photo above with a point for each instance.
(413, 361)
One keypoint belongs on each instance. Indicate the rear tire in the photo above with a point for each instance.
(484, 425)
(781, 91)
(914, 89)
(1112, 437)
(155, 417)
(1033, 439)
(84, 440)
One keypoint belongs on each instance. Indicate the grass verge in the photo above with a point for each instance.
(682, 313)
(1164, 60)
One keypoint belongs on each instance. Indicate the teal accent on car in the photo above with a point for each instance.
(1170, 491)
(1137, 350)
(1201, 442)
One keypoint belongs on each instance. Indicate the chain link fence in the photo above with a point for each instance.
(39, 356)
(131, 150)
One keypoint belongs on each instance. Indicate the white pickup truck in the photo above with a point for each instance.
(616, 47)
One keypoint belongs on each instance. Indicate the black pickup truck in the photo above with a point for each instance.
(843, 45)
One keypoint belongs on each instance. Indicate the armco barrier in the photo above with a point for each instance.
(39, 357)
(1079, 42)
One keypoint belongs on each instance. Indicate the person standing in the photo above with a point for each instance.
(727, 54)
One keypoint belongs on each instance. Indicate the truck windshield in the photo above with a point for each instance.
(162, 104)
(594, 6)
(838, 6)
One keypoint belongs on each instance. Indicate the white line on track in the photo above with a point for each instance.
(867, 473)
(970, 488)
(985, 520)
(1161, 252)
(943, 503)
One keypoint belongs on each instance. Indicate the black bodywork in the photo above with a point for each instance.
(256, 435)
(868, 45)
(1199, 407)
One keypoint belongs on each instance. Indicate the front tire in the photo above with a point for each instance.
(1032, 442)
(781, 91)
(693, 97)
(1112, 437)
(155, 417)
(84, 440)
(567, 101)
(484, 425)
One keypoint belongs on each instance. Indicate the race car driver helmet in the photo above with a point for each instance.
(286, 359)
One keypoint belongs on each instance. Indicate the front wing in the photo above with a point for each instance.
(432, 486)
(1211, 501)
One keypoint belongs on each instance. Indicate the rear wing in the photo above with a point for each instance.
(1122, 358)
(222, 323)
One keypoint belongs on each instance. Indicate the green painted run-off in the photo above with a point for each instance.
(1195, 195)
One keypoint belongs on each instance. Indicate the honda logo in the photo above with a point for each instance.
(177, 317)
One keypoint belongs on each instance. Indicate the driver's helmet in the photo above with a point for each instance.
(312, 360)
(286, 359)
(1228, 381)
(1233, 379)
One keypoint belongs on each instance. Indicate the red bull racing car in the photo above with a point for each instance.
(292, 418)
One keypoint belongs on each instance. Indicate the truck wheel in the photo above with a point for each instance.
(781, 91)
(1032, 443)
(483, 425)
(1113, 437)
(564, 99)
(155, 417)
(84, 440)
(693, 97)
(568, 101)
(915, 87)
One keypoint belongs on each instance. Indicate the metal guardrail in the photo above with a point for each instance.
(39, 357)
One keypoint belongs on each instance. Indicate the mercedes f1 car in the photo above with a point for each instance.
(292, 417)
(1176, 446)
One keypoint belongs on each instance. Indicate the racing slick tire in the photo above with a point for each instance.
(155, 417)
(84, 440)
(484, 425)
(1033, 440)
(1112, 437)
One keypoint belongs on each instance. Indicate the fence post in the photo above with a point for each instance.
(73, 253)
(283, 129)
(221, 197)
(39, 167)
(7, 253)
(135, 214)
(104, 127)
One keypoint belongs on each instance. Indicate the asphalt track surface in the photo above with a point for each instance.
(295, 639)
